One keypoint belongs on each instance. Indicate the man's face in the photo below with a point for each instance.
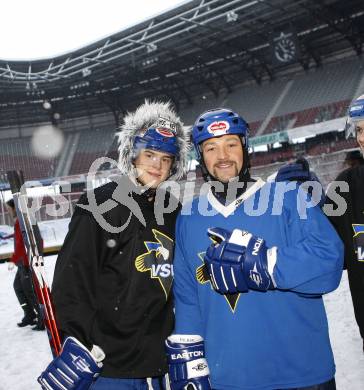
(153, 167)
(360, 134)
(223, 156)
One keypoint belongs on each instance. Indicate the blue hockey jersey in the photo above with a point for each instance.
(261, 340)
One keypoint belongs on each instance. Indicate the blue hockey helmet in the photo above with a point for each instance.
(216, 123)
(355, 114)
(161, 137)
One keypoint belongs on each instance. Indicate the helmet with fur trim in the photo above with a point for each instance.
(154, 125)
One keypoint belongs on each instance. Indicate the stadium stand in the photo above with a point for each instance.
(327, 167)
(313, 92)
(305, 117)
(91, 89)
(327, 159)
(91, 145)
(324, 85)
(17, 153)
(314, 96)
(252, 101)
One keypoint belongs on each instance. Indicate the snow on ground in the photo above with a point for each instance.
(24, 353)
(345, 338)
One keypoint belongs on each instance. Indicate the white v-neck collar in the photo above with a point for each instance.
(229, 209)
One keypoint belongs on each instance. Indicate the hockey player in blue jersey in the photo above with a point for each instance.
(250, 271)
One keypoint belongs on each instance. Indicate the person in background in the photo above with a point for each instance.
(350, 225)
(23, 285)
(354, 158)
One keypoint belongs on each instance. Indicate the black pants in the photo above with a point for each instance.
(24, 291)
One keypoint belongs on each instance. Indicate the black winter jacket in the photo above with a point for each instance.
(354, 215)
(114, 289)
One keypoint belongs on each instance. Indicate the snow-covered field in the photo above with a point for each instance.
(24, 353)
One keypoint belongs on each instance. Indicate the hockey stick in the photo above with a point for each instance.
(33, 242)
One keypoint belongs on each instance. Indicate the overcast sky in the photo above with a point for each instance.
(34, 29)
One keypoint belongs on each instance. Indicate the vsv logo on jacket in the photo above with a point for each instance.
(359, 241)
(158, 260)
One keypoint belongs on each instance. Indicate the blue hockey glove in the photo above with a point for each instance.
(75, 368)
(300, 172)
(297, 171)
(239, 261)
(188, 369)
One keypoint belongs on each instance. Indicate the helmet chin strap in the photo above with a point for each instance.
(243, 177)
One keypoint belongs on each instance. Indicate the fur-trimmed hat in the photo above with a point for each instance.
(136, 123)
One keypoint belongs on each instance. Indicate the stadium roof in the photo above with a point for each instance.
(203, 45)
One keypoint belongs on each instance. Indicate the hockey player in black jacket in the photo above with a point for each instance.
(113, 276)
(350, 225)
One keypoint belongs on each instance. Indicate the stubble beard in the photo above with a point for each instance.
(222, 177)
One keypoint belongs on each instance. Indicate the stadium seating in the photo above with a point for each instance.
(16, 153)
(295, 100)
(308, 116)
(91, 145)
(319, 87)
(327, 162)
(313, 96)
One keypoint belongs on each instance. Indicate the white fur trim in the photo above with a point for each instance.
(143, 117)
